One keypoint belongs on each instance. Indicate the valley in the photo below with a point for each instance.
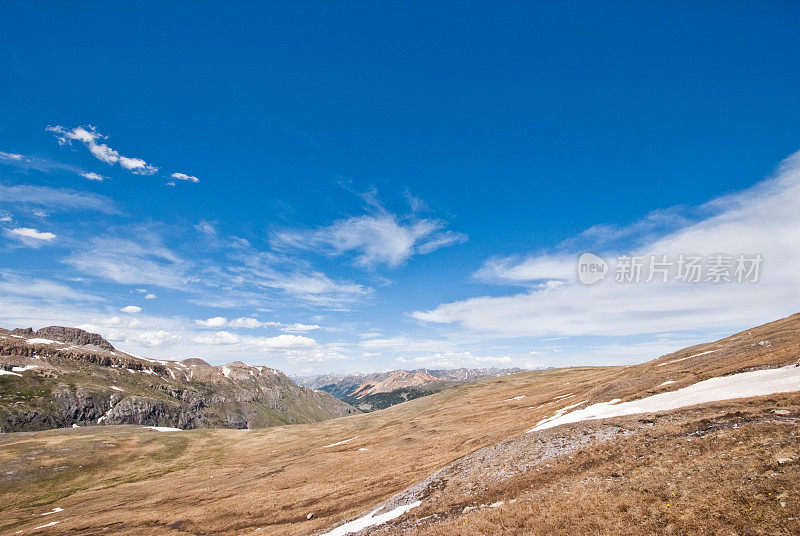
(370, 392)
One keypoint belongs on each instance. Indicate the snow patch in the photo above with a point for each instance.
(559, 413)
(688, 357)
(40, 341)
(23, 369)
(668, 382)
(41, 526)
(742, 385)
(371, 519)
(117, 388)
(164, 429)
(9, 373)
(107, 413)
(340, 442)
(53, 511)
(520, 397)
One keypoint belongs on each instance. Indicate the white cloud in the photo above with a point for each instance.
(56, 199)
(374, 239)
(218, 338)
(92, 176)
(214, 322)
(89, 136)
(297, 327)
(312, 355)
(10, 156)
(256, 271)
(415, 203)
(761, 220)
(155, 338)
(253, 323)
(140, 259)
(456, 359)
(185, 177)
(207, 228)
(30, 237)
(15, 285)
(284, 341)
(525, 271)
(250, 323)
(131, 309)
(150, 296)
(405, 343)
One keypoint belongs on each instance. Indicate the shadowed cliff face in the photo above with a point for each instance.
(59, 377)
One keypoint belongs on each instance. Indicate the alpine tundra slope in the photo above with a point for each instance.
(701, 441)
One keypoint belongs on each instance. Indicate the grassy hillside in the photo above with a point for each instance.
(720, 460)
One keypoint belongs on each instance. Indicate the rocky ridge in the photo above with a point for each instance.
(58, 377)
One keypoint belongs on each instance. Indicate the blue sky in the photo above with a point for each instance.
(364, 187)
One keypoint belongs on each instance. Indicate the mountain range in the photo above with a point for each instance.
(369, 392)
(58, 376)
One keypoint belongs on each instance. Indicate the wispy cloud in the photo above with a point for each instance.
(46, 165)
(373, 239)
(141, 259)
(12, 284)
(252, 270)
(56, 199)
(285, 341)
(218, 338)
(456, 359)
(761, 220)
(90, 137)
(299, 328)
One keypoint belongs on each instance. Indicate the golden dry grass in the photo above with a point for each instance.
(131, 481)
(705, 471)
(236, 482)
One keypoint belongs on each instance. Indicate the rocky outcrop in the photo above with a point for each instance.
(69, 335)
(74, 336)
